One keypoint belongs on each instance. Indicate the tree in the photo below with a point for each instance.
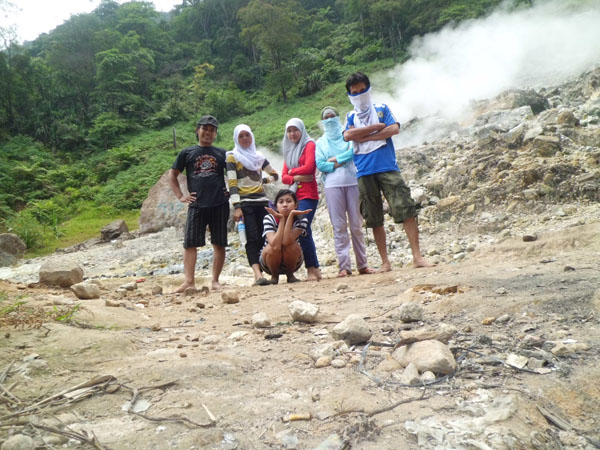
(272, 26)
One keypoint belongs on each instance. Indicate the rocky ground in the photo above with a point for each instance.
(514, 226)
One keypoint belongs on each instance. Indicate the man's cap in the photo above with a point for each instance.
(208, 120)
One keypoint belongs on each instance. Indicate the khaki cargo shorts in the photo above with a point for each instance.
(395, 191)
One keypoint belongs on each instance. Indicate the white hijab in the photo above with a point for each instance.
(365, 115)
(250, 158)
(292, 151)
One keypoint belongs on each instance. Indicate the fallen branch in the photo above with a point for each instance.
(94, 382)
(385, 408)
(177, 419)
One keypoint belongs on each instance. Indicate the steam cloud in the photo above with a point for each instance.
(539, 46)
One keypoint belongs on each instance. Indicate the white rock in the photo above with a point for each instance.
(338, 363)
(322, 350)
(260, 320)
(303, 311)
(86, 291)
(410, 312)
(410, 375)
(427, 355)
(354, 330)
(237, 335)
(18, 442)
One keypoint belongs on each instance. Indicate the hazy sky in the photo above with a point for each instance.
(34, 17)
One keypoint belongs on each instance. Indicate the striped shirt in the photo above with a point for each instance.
(246, 186)
(270, 225)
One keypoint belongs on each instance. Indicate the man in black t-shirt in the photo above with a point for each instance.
(207, 201)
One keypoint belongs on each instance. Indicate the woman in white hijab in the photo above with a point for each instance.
(244, 176)
(299, 169)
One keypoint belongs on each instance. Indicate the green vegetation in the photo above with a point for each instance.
(87, 111)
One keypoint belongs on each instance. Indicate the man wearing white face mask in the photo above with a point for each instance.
(371, 127)
(334, 160)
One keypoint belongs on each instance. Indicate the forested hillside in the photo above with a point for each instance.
(82, 107)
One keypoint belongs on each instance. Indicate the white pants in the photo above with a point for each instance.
(343, 202)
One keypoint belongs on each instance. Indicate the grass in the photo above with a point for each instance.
(86, 225)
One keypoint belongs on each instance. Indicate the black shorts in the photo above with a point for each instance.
(215, 217)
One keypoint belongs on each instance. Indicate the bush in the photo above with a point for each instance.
(25, 225)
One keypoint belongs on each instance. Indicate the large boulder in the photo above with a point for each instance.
(162, 209)
(61, 273)
(11, 249)
(113, 230)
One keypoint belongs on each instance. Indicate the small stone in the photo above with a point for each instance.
(211, 340)
(86, 291)
(532, 341)
(341, 287)
(260, 320)
(237, 335)
(323, 361)
(18, 442)
(303, 311)
(501, 291)
(534, 363)
(569, 269)
(323, 350)
(410, 312)
(529, 238)
(230, 297)
(183, 355)
(488, 320)
(354, 330)
(157, 290)
(428, 376)
(504, 318)
(156, 327)
(132, 286)
(410, 375)
(338, 363)
(389, 364)
(111, 303)
(517, 360)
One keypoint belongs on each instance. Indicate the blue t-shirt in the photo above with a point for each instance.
(384, 158)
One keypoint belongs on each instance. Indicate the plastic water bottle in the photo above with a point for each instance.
(242, 232)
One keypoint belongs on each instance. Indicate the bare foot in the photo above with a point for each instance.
(366, 271)
(384, 268)
(216, 286)
(343, 273)
(184, 286)
(420, 262)
(313, 274)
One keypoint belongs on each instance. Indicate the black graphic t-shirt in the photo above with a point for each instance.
(205, 171)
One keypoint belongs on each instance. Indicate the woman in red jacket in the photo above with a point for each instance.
(299, 168)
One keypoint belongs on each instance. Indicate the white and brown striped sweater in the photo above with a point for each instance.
(246, 186)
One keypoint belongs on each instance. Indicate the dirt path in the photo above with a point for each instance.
(250, 379)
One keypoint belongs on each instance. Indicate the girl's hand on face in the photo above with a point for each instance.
(295, 212)
(274, 213)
